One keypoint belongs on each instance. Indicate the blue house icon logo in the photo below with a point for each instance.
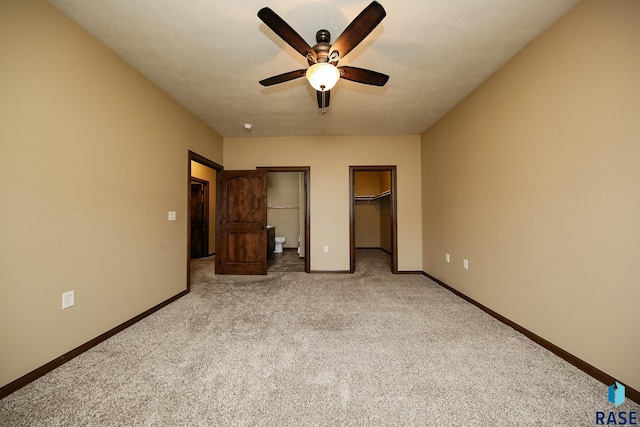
(617, 417)
(616, 394)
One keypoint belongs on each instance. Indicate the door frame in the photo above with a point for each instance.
(307, 206)
(394, 216)
(192, 156)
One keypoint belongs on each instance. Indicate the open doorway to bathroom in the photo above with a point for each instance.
(373, 223)
(288, 219)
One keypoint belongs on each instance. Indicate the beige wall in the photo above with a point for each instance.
(205, 173)
(329, 159)
(534, 178)
(367, 213)
(92, 157)
(367, 218)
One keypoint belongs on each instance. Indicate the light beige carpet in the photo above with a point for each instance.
(297, 349)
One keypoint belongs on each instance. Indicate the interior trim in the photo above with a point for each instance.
(585, 367)
(48, 367)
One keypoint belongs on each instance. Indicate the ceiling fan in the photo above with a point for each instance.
(323, 57)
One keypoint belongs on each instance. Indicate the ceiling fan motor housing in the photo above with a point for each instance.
(322, 47)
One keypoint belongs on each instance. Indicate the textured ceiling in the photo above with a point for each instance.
(209, 55)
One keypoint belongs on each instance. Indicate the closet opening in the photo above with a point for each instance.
(372, 213)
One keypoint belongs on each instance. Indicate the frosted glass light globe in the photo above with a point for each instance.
(323, 76)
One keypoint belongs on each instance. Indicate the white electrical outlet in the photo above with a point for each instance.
(326, 248)
(68, 299)
(172, 215)
(447, 258)
(465, 264)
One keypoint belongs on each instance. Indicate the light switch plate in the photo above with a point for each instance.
(68, 299)
(172, 215)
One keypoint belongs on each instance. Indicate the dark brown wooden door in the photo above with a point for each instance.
(199, 215)
(242, 220)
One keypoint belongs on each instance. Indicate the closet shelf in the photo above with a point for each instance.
(374, 197)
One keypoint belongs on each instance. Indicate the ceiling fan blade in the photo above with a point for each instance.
(358, 29)
(323, 98)
(286, 33)
(361, 75)
(281, 78)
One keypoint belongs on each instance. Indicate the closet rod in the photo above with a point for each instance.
(374, 197)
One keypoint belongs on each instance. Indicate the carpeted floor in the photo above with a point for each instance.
(297, 349)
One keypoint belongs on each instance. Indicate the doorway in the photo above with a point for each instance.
(241, 222)
(372, 211)
(201, 172)
(288, 210)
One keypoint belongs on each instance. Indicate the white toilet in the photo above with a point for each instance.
(279, 242)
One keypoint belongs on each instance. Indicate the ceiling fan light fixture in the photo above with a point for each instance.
(323, 76)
